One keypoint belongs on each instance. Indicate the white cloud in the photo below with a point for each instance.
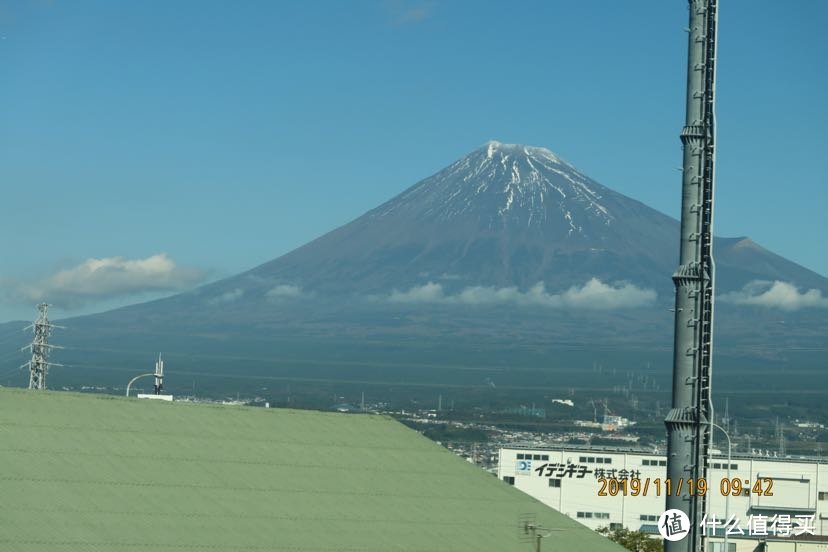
(593, 295)
(777, 294)
(227, 297)
(95, 280)
(596, 294)
(428, 293)
(285, 291)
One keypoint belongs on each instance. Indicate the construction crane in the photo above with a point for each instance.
(688, 422)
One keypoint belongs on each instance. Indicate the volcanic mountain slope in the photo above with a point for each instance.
(506, 215)
(507, 227)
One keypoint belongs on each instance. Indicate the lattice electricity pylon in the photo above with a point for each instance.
(40, 348)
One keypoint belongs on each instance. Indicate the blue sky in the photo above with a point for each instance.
(225, 134)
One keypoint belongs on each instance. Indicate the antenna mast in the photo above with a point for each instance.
(688, 422)
(40, 348)
(159, 375)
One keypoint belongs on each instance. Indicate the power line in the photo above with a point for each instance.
(8, 336)
(11, 372)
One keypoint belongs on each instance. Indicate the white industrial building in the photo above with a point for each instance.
(567, 479)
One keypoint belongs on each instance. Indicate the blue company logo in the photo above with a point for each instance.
(524, 465)
(673, 525)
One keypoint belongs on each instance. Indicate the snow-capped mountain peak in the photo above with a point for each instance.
(493, 147)
(501, 185)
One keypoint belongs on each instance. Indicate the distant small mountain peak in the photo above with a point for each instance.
(746, 243)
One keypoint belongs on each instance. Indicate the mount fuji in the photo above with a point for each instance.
(508, 251)
(505, 216)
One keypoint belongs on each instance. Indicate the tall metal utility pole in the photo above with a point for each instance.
(688, 422)
(159, 375)
(40, 348)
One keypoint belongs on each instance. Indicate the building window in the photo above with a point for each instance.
(645, 462)
(536, 457)
(520, 457)
(662, 462)
(582, 459)
(606, 460)
(717, 466)
(593, 515)
(720, 547)
(555, 483)
(648, 517)
(599, 460)
(616, 526)
(734, 466)
(823, 495)
(544, 457)
(591, 459)
(509, 479)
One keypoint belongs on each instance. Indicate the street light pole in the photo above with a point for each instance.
(136, 378)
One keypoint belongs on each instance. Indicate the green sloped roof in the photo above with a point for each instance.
(101, 473)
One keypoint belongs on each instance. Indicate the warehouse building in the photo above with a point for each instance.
(93, 472)
(595, 487)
